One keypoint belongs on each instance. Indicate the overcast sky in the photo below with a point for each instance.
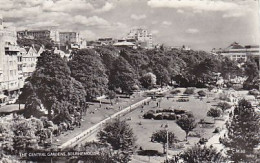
(200, 24)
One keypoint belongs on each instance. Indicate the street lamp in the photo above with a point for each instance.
(167, 141)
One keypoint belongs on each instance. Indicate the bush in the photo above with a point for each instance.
(194, 134)
(176, 91)
(171, 116)
(254, 92)
(202, 93)
(189, 91)
(149, 153)
(179, 111)
(149, 114)
(203, 140)
(224, 105)
(217, 130)
(158, 117)
(164, 110)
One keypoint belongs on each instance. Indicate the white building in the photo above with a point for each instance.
(238, 52)
(9, 76)
(141, 37)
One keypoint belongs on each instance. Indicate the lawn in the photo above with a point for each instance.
(96, 114)
(143, 128)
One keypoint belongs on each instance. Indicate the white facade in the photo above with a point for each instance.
(237, 52)
(29, 57)
(9, 73)
(142, 37)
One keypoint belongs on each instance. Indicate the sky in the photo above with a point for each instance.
(199, 24)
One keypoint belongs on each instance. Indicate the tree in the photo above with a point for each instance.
(198, 154)
(148, 80)
(122, 76)
(187, 124)
(86, 67)
(160, 136)
(243, 132)
(120, 136)
(214, 112)
(52, 84)
(111, 95)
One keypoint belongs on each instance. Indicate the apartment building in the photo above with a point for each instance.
(69, 37)
(40, 34)
(141, 37)
(10, 81)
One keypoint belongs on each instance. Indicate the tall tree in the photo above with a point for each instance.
(87, 68)
(122, 76)
(120, 136)
(51, 83)
(198, 154)
(243, 131)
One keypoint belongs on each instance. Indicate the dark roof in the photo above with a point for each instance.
(235, 45)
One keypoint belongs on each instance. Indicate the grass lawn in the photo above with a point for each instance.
(95, 114)
(144, 131)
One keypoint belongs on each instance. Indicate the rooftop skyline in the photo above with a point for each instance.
(199, 24)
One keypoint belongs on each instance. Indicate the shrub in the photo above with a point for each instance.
(217, 130)
(171, 116)
(194, 134)
(165, 116)
(149, 153)
(224, 105)
(176, 91)
(179, 111)
(254, 92)
(149, 114)
(189, 91)
(201, 93)
(158, 117)
(203, 140)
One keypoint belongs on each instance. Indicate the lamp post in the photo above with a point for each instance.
(167, 141)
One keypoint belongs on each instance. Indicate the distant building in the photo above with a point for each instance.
(69, 38)
(10, 81)
(236, 52)
(40, 34)
(124, 44)
(141, 37)
(29, 57)
(106, 41)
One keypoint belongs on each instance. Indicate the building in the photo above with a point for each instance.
(28, 56)
(40, 34)
(141, 37)
(237, 52)
(106, 41)
(10, 80)
(125, 44)
(69, 38)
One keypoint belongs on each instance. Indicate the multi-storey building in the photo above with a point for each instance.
(238, 52)
(69, 38)
(10, 81)
(29, 57)
(141, 37)
(40, 34)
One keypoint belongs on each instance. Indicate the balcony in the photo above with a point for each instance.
(12, 48)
